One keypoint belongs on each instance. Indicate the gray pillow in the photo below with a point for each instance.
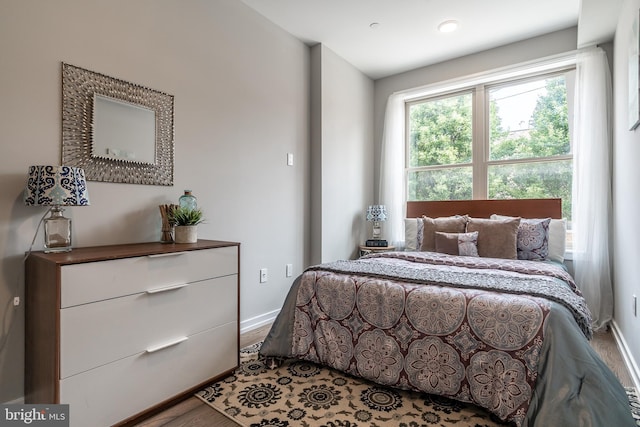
(556, 239)
(448, 224)
(497, 238)
(464, 244)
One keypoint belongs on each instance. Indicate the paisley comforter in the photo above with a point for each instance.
(503, 334)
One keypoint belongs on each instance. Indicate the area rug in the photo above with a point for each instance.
(300, 393)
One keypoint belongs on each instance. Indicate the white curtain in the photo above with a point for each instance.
(392, 170)
(592, 184)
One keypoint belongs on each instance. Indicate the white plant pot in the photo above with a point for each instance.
(186, 234)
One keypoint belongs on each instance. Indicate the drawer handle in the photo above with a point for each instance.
(166, 345)
(166, 288)
(165, 255)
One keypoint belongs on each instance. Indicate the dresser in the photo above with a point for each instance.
(121, 331)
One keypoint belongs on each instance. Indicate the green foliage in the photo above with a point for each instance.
(440, 133)
(548, 133)
(441, 184)
(185, 216)
(533, 181)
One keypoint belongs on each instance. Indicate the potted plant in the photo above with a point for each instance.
(185, 221)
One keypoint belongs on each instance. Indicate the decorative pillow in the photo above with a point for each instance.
(448, 224)
(413, 234)
(533, 239)
(556, 238)
(465, 244)
(497, 238)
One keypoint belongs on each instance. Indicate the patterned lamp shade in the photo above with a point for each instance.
(56, 186)
(376, 213)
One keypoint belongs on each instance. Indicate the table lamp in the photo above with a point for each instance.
(56, 186)
(377, 214)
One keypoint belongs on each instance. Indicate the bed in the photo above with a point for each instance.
(480, 309)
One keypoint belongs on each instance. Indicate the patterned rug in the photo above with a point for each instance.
(304, 394)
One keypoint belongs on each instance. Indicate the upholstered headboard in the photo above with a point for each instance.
(526, 208)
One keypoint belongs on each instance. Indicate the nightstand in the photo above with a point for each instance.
(366, 250)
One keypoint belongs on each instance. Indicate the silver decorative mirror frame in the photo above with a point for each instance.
(79, 89)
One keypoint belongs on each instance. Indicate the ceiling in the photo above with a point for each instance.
(405, 35)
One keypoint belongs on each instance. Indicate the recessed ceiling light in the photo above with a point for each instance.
(448, 26)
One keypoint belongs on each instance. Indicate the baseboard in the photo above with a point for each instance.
(629, 361)
(18, 401)
(258, 321)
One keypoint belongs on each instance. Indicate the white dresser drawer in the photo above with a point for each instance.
(113, 392)
(89, 282)
(102, 332)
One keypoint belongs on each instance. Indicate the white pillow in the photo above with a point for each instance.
(413, 234)
(557, 237)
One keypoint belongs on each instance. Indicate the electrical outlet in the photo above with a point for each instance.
(289, 270)
(16, 301)
(264, 275)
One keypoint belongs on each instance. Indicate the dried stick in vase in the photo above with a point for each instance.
(167, 228)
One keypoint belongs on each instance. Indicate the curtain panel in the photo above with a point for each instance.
(592, 203)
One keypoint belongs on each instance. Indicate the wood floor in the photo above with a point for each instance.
(605, 344)
(193, 413)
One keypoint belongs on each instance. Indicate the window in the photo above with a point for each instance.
(498, 141)
(440, 148)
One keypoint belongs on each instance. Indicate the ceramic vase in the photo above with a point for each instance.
(185, 234)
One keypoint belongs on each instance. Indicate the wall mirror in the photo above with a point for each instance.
(115, 130)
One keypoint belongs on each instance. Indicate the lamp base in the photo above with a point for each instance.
(57, 232)
(57, 249)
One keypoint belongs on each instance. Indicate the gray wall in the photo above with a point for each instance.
(626, 199)
(342, 155)
(241, 88)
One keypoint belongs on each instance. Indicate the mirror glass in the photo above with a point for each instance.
(123, 131)
(115, 130)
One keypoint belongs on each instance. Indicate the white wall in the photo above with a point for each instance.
(342, 155)
(527, 50)
(241, 88)
(626, 198)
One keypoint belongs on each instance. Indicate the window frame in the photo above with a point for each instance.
(480, 148)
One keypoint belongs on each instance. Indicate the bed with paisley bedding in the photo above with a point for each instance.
(461, 314)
